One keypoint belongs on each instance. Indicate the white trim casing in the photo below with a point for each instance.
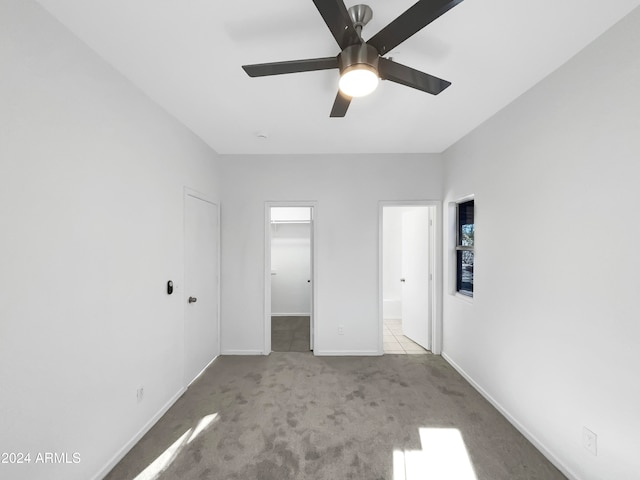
(436, 262)
(452, 234)
(267, 268)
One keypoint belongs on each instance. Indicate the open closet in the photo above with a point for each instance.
(291, 276)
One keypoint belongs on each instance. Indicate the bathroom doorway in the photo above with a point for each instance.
(407, 288)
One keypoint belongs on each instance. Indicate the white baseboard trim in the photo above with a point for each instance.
(242, 352)
(524, 431)
(136, 438)
(290, 314)
(346, 353)
(203, 370)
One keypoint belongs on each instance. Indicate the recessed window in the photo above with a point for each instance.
(464, 248)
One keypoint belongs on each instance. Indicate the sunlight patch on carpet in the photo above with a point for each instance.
(443, 456)
(203, 424)
(160, 464)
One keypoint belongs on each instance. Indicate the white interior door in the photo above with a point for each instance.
(415, 275)
(201, 285)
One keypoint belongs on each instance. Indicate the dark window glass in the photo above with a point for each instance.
(464, 248)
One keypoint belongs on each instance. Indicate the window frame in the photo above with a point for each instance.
(459, 247)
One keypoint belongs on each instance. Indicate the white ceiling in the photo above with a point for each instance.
(187, 56)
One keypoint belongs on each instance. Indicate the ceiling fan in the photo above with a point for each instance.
(362, 63)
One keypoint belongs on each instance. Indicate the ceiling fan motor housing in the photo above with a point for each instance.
(355, 56)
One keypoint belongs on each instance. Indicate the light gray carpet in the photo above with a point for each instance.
(296, 416)
(290, 334)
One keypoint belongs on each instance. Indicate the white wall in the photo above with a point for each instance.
(291, 268)
(552, 333)
(347, 189)
(91, 208)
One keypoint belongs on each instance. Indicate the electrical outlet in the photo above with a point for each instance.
(140, 394)
(590, 440)
(340, 329)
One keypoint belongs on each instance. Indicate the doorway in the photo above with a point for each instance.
(201, 287)
(407, 287)
(290, 323)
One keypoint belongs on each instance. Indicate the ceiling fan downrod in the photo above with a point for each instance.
(360, 16)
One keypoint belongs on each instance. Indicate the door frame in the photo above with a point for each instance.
(435, 261)
(190, 192)
(313, 205)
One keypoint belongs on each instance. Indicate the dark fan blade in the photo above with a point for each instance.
(340, 105)
(412, 21)
(293, 66)
(337, 18)
(390, 70)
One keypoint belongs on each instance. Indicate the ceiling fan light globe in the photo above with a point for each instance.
(358, 81)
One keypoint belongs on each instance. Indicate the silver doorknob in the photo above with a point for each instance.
(193, 299)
